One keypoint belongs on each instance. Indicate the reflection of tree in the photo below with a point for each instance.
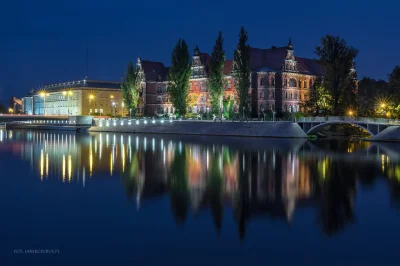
(242, 200)
(338, 191)
(214, 189)
(178, 187)
(130, 177)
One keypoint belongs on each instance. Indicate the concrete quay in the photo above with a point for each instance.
(205, 128)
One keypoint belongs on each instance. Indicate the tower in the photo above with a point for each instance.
(198, 67)
(290, 64)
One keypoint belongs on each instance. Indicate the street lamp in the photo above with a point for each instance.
(114, 104)
(44, 95)
(91, 98)
(67, 93)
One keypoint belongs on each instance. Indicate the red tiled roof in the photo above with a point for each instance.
(227, 70)
(153, 70)
(273, 58)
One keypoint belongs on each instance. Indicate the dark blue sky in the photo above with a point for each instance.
(44, 41)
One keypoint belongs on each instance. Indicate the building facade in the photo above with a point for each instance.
(280, 82)
(84, 97)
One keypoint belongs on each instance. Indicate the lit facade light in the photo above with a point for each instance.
(153, 121)
(137, 122)
(145, 121)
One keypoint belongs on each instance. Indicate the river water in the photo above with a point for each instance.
(125, 199)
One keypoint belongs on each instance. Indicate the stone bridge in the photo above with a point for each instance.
(373, 126)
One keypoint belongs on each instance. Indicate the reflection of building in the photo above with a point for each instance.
(76, 98)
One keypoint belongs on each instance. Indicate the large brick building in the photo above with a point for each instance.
(280, 81)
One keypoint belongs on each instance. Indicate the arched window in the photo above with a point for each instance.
(294, 109)
(262, 81)
(305, 84)
(159, 99)
(290, 95)
(262, 95)
(285, 94)
(295, 95)
(292, 83)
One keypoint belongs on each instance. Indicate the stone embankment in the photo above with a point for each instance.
(239, 129)
(391, 133)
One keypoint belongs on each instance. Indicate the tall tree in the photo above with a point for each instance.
(216, 76)
(131, 86)
(394, 83)
(339, 78)
(179, 76)
(241, 68)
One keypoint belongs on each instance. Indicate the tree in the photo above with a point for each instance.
(216, 76)
(241, 68)
(337, 59)
(320, 100)
(370, 93)
(131, 86)
(179, 76)
(394, 83)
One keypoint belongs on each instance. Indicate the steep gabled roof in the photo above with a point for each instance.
(272, 59)
(227, 70)
(154, 70)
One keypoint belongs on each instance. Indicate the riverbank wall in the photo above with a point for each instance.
(205, 128)
(390, 134)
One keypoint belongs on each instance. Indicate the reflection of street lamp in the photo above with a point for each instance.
(67, 93)
(44, 95)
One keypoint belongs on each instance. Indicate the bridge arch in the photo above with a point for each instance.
(323, 124)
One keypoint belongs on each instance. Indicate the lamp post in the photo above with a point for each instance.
(243, 111)
(67, 93)
(130, 113)
(44, 95)
(114, 104)
(91, 98)
(207, 111)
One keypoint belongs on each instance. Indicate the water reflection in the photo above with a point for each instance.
(252, 177)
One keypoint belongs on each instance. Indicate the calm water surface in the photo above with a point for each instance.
(120, 199)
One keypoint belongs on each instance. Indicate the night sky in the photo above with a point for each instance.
(45, 41)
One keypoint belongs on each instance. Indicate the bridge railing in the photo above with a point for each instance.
(348, 119)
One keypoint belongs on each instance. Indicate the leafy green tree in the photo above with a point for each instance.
(179, 76)
(319, 101)
(216, 76)
(131, 87)
(337, 59)
(241, 69)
